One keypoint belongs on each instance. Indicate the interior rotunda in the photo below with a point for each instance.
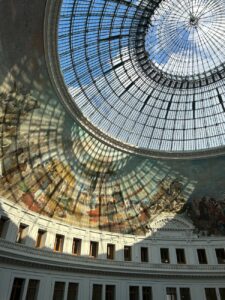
(112, 150)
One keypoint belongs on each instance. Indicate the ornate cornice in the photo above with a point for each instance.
(21, 255)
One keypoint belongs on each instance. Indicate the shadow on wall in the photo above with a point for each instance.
(51, 166)
(28, 230)
(84, 183)
(20, 232)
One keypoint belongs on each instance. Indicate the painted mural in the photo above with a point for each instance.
(208, 215)
(51, 166)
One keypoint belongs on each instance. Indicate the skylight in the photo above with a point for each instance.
(146, 76)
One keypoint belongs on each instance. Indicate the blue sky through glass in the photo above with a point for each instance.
(117, 93)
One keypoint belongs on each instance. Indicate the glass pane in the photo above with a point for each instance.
(17, 289)
(97, 292)
(72, 291)
(144, 254)
(222, 293)
(210, 294)
(182, 68)
(59, 291)
(127, 253)
(40, 236)
(164, 255)
(134, 293)
(76, 246)
(180, 256)
(110, 251)
(202, 256)
(185, 294)
(220, 254)
(32, 289)
(59, 240)
(21, 234)
(3, 225)
(110, 292)
(171, 293)
(146, 293)
(94, 249)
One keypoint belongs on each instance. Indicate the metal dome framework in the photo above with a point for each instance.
(142, 76)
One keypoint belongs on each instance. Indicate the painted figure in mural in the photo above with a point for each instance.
(209, 215)
(203, 208)
(111, 211)
(14, 107)
(168, 198)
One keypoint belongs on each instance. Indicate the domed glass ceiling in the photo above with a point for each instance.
(53, 167)
(187, 38)
(146, 76)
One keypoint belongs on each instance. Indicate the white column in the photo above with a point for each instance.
(119, 252)
(197, 292)
(50, 241)
(5, 284)
(68, 243)
(11, 231)
(154, 254)
(158, 291)
(102, 248)
(31, 236)
(85, 247)
(136, 249)
(84, 290)
(124, 290)
(211, 255)
(190, 258)
(172, 254)
(45, 288)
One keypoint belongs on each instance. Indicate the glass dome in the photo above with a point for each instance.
(143, 76)
(187, 38)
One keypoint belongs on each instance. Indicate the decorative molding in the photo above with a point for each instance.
(170, 222)
(18, 254)
(15, 212)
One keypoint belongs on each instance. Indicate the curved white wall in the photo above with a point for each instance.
(26, 261)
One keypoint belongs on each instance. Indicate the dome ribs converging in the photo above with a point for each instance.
(146, 77)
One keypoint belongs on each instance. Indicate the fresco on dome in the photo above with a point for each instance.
(52, 167)
(208, 215)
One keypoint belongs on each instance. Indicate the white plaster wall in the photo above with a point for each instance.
(47, 279)
(152, 241)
